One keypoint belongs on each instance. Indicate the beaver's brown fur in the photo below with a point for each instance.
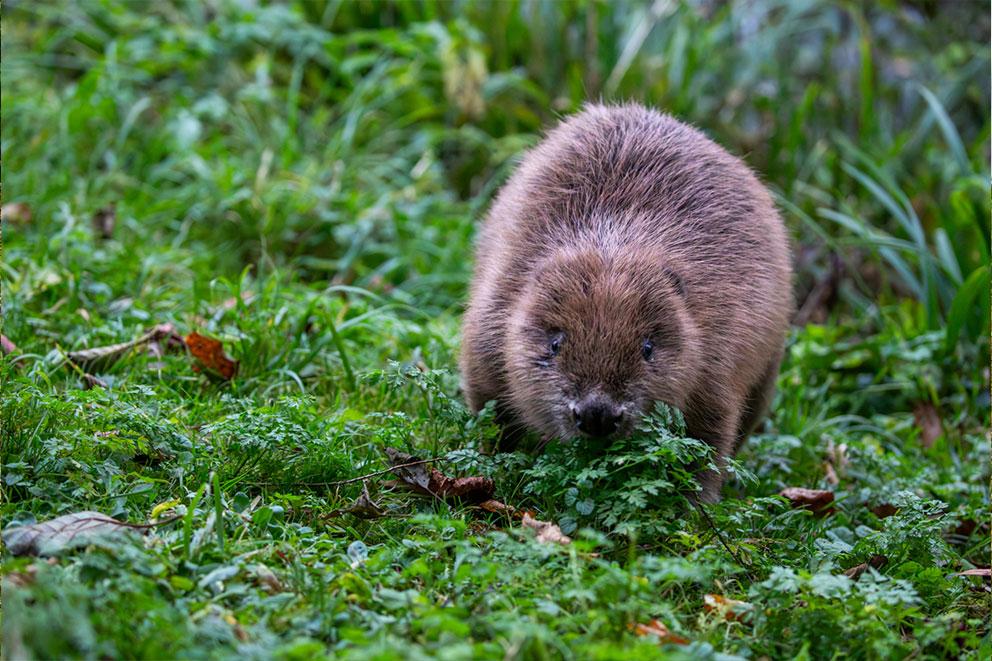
(628, 260)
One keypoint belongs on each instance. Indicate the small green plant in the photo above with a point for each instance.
(638, 486)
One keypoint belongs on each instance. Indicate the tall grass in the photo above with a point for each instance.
(331, 137)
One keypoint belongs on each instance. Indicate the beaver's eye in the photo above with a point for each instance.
(647, 349)
(555, 340)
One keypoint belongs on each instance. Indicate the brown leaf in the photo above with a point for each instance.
(498, 507)
(812, 499)
(983, 572)
(657, 628)
(431, 481)
(211, 355)
(875, 562)
(729, 609)
(415, 475)
(90, 382)
(884, 510)
(6, 346)
(105, 356)
(70, 530)
(364, 507)
(17, 213)
(104, 221)
(928, 421)
(473, 489)
(547, 532)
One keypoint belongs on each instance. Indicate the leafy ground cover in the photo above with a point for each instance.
(302, 182)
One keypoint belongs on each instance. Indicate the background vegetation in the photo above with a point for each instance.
(303, 180)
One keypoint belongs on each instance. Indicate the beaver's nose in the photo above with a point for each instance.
(597, 418)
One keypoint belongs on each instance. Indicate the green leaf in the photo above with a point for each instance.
(963, 308)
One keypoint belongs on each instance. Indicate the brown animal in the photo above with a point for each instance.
(628, 260)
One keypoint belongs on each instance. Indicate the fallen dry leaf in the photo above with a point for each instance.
(812, 499)
(90, 382)
(211, 354)
(729, 609)
(415, 475)
(498, 507)
(547, 532)
(104, 221)
(431, 481)
(104, 357)
(67, 531)
(657, 628)
(884, 510)
(364, 507)
(928, 421)
(472, 489)
(16, 212)
(875, 562)
(983, 572)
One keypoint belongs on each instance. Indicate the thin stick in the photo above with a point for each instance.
(338, 483)
(719, 535)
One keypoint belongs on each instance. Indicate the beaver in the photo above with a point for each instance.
(628, 260)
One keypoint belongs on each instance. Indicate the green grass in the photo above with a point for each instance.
(303, 182)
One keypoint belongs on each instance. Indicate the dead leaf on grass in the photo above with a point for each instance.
(729, 609)
(67, 531)
(431, 481)
(17, 213)
(982, 572)
(414, 475)
(658, 628)
(884, 510)
(104, 221)
(210, 353)
(498, 507)
(363, 507)
(90, 382)
(875, 562)
(928, 421)
(812, 499)
(103, 357)
(547, 532)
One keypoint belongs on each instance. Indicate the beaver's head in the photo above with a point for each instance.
(597, 339)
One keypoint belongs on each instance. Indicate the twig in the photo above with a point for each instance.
(719, 535)
(338, 483)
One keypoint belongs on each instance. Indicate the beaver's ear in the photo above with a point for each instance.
(675, 279)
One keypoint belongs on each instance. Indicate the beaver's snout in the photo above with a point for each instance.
(597, 417)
